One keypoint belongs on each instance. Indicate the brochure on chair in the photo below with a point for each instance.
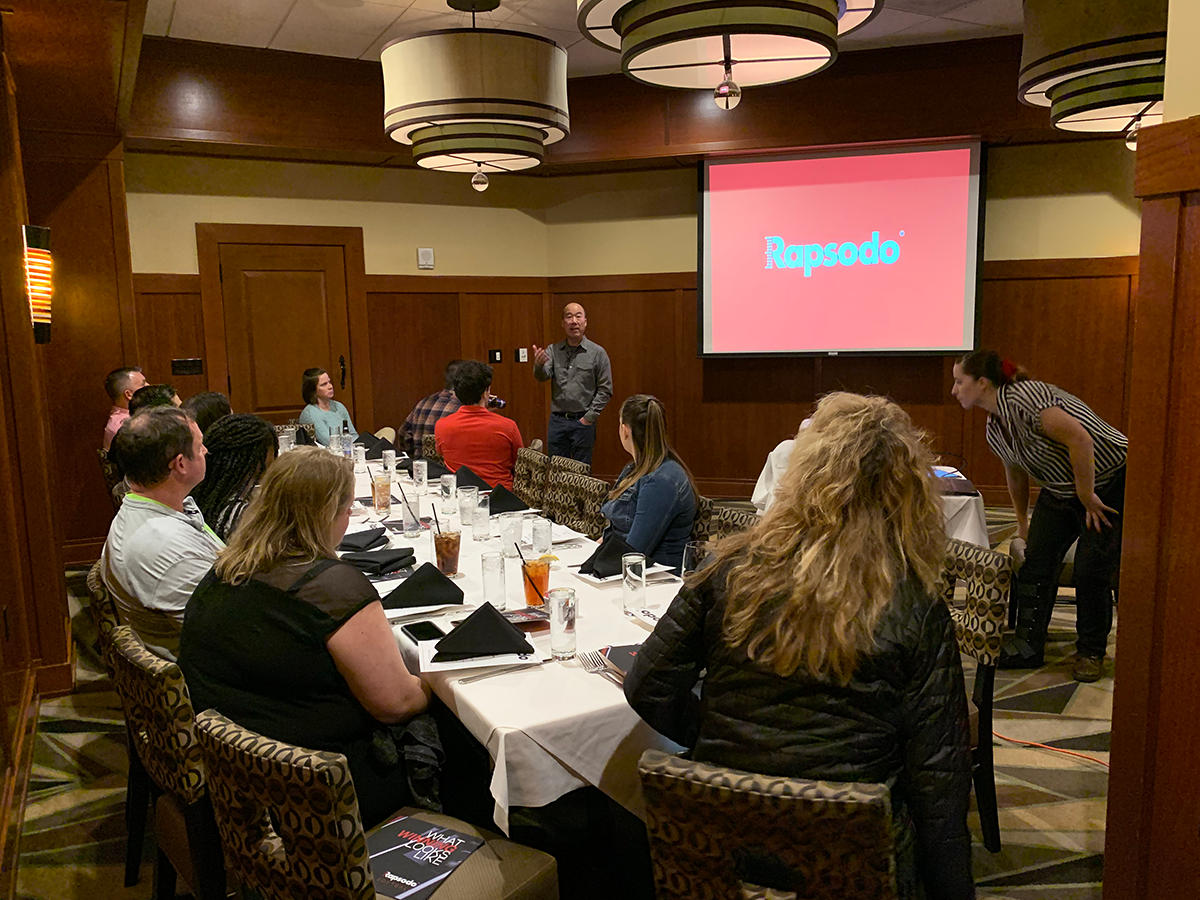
(411, 858)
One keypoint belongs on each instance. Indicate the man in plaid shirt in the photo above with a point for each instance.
(426, 413)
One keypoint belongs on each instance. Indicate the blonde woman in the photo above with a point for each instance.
(287, 641)
(653, 504)
(829, 654)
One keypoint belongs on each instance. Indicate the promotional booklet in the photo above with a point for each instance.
(410, 858)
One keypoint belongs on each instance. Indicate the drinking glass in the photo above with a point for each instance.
(468, 497)
(389, 463)
(410, 510)
(512, 527)
(360, 459)
(562, 623)
(483, 517)
(541, 536)
(381, 494)
(287, 438)
(493, 579)
(693, 556)
(335, 444)
(448, 483)
(347, 445)
(633, 581)
(420, 475)
(446, 545)
(535, 577)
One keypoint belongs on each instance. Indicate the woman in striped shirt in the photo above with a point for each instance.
(1041, 432)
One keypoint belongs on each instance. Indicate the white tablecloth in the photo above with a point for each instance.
(555, 728)
(965, 518)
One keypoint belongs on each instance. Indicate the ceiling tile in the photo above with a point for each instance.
(586, 58)
(1001, 13)
(938, 30)
(192, 26)
(321, 41)
(414, 21)
(925, 7)
(337, 15)
(888, 22)
(273, 10)
(547, 14)
(158, 16)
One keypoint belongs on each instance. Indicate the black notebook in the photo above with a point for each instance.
(411, 858)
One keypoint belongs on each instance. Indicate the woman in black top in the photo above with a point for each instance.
(287, 641)
(826, 650)
(1040, 431)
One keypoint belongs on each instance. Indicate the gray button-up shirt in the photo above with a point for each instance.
(580, 378)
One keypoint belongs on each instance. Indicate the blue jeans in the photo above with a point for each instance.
(571, 438)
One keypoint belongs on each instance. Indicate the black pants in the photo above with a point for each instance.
(571, 438)
(1053, 527)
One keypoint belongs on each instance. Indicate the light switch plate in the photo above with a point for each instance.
(522, 354)
(495, 356)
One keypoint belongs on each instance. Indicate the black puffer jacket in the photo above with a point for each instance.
(902, 719)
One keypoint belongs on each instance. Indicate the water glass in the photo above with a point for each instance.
(562, 623)
(347, 445)
(381, 494)
(287, 438)
(468, 497)
(448, 484)
(541, 536)
(389, 463)
(483, 518)
(694, 553)
(335, 444)
(512, 528)
(493, 579)
(410, 511)
(420, 475)
(633, 581)
(360, 460)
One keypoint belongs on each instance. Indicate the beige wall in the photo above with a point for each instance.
(1181, 99)
(1044, 201)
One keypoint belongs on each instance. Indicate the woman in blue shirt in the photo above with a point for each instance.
(326, 414)
(653, 506)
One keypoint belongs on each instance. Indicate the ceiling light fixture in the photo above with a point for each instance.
(701, 43)
(1098, 64)
(476, 100)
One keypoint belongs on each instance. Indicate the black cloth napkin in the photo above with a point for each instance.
(376, 451)
(424, 587)
(504, 500)
(370, 442)
(372, 539)
(606, 560)
(483, 633)
(467, 478)
(380, 562)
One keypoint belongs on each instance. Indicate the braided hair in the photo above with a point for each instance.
(237, 457)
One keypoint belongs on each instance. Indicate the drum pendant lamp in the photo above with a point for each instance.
(475, 100)
(1098, 64)
(722, 44)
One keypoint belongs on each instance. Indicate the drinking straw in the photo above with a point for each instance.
(435, 519)
(404, 497)
(528, 577)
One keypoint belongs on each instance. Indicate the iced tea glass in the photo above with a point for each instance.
(445, 551)
(535, 576)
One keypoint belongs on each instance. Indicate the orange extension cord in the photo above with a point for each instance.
(1051, 749)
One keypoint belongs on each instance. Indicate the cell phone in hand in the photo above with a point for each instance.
(423, 631)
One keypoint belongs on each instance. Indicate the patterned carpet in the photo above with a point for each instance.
(1052, 806)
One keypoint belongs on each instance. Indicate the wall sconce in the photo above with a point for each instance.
(39, 282)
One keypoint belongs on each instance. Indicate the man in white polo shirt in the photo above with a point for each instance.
(158, 546)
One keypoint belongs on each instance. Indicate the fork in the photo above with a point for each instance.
(593, 662)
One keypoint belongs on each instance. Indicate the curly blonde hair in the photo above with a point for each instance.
(855, 515)
(291, 516)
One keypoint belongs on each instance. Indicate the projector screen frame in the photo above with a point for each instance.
(973, 143)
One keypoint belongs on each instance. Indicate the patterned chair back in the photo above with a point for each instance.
(309, 429)
(529, 477)
(319, 849)
(574, 500)
(719, 833)
(103, 612)
(429, 449)
(566, 464)
(704, 528)
(987, 575)
(158, 711)
(114, 479)
(727, 520)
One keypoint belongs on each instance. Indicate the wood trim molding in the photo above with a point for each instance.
(360, 329)
(1099, 267)
(601, 284)
(16, 786)
(165, 283)
(1168, 158)
(208, 253)
(454, 284)
(58, 679)
(82, 553)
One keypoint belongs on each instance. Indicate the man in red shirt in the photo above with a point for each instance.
(475, 436)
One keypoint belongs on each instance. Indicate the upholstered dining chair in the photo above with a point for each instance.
(721, 833)
(103, 612)
(289, 822)
(566, 464)
(529, 477)
(979, 626)
(429, 449)
(309, 429)
(727, 520)
(158, 711)
(114, 479)
(387, 433)
(704, 527)
(574, 500)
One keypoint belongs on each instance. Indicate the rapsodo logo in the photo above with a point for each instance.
(782, 255)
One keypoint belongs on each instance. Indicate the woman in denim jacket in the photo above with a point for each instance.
(654, 503)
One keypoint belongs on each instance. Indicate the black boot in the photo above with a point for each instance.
(1026, 648)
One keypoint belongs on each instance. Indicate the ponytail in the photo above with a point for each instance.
(995, 368)
(647, 421)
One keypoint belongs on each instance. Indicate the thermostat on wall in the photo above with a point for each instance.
(424, 257)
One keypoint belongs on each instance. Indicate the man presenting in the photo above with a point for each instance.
(580, 377)
(121, 384)
(158, 546)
